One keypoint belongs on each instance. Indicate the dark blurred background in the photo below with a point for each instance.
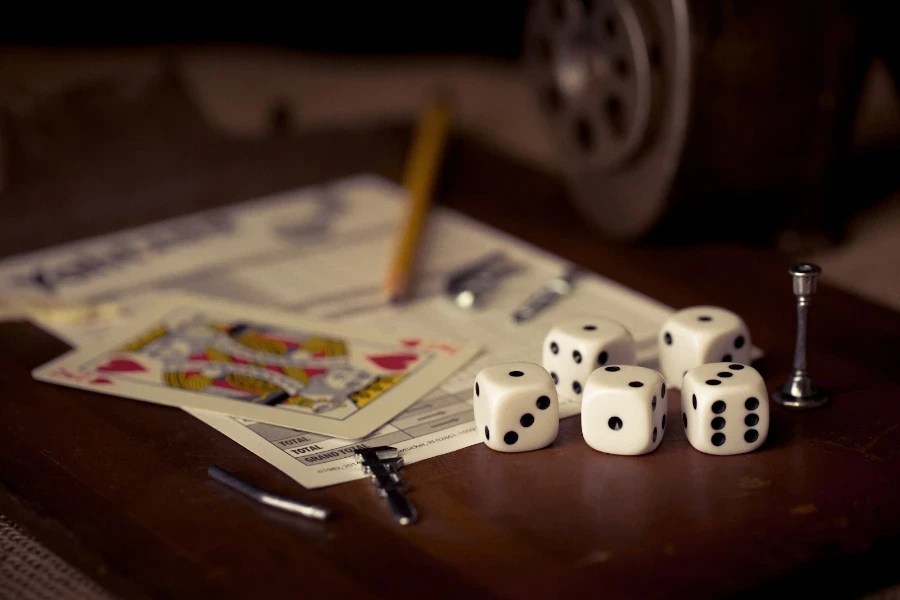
(765, 123)
(492, 29)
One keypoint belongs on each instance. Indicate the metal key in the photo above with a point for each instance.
(470, 286)
(549, 294)
(382, 463)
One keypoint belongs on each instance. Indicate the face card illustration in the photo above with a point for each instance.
(267, 366)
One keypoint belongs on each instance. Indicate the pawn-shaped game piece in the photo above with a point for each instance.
(725, 408)
(516, 407)
(700, 335)
(572, 350)
(623, 410)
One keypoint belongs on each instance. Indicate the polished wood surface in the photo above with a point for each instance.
(120, 489)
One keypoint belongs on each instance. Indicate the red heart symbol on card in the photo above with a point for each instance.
(101, 380)
(66, 373)
(393, 362)
(121, 365)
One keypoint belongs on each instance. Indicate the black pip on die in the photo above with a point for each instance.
(516, 407)
(725, 408)
(572, 351)
(624, 410)
(699, 335)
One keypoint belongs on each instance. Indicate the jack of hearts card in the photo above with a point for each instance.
(265, 365)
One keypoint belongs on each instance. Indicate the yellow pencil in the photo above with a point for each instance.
(422, 167)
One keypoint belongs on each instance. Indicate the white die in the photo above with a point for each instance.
(572, 350)
(624, 410)
(725, 408)
(699, 335)
(516, 407)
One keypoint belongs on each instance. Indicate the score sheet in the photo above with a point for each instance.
(320, 252)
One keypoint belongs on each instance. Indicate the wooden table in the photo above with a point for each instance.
(120, 488)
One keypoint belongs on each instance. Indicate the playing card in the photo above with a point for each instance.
(269, 366)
